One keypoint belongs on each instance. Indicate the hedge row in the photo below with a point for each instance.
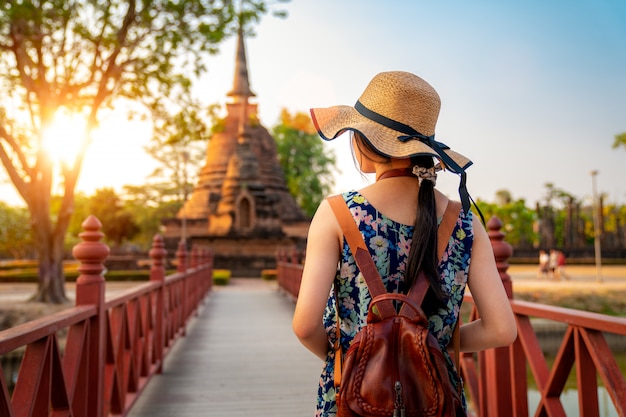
(30, 275)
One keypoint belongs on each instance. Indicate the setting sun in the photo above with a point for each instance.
(62, 139)
(114, 155)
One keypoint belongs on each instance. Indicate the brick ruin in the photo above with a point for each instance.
(240, 208)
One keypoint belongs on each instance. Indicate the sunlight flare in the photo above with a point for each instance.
(63, 137)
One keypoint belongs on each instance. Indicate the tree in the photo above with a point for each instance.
(179, 145)
(118, 224)
(517, 219)
(620, 140)
(148, 204)
(503, 197)
(307, 165)
(80, 57)
(75, 228)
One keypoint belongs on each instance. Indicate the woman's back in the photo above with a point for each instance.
(392, 129)
(388, 241)
(396, 198)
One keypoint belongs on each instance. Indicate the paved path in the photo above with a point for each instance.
(239, 359)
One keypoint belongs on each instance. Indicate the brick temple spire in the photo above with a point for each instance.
(241, 86)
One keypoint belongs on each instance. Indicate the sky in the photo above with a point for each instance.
(533, 92)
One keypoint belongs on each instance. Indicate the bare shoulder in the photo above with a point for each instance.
(324, 222)
(442, 202)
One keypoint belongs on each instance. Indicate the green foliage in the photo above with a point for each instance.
(16, 264)
(269, 274)
(31, 275)
(307, 165)
(117, 223)
(517, 219)
(179, 145)
(15, 235)
(79, 215)
(614, 219)
(620, 140)
(148, 204)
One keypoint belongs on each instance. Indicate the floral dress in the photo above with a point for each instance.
(388, 243)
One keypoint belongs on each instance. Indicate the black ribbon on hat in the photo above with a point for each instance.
(438, 147)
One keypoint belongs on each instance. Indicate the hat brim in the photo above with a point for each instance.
(331, 122)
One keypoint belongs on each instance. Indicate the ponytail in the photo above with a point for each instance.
(423, 251)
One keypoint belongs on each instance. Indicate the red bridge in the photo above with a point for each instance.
(164, 348)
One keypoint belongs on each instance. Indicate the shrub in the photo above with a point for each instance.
(17, 264)
(269, 274)
(31, 275)
(221, 276)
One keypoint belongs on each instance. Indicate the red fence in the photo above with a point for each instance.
(497, 379)
(94, 359)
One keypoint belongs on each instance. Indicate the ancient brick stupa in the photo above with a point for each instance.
(240, 207)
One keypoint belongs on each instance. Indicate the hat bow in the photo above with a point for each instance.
(412, 134)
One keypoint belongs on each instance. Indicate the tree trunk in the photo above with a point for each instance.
(51, 284)
(49, 243)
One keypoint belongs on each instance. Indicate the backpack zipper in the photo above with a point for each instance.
(399, 403)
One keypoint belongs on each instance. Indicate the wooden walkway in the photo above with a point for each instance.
(239, 358)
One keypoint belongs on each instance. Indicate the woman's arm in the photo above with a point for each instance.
(322, 256)
(496, 325)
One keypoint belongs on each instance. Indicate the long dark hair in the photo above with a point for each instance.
(423, 250)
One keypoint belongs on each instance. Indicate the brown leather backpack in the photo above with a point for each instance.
(394, 366)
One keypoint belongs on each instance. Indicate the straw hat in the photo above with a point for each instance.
(396, 114)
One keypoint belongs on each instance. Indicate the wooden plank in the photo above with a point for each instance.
(239, 358)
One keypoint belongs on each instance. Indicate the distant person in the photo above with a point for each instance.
(552, 263)
(544, 260)
(561, 261)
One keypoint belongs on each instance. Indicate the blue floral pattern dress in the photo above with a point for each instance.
(389, 243)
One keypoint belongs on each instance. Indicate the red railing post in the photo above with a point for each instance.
(209, 260)
(90, 290)
(181, 256)
(496, 386)
(502, 252)
(195, 257)
(157, 273)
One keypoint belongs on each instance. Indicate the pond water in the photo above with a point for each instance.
(569, 399)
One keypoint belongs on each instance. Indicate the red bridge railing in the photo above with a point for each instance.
(94, 359)
(497, 380)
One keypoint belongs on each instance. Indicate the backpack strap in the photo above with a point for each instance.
(364, 260)
(375, 284)
(446, 227)
(359, 250)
